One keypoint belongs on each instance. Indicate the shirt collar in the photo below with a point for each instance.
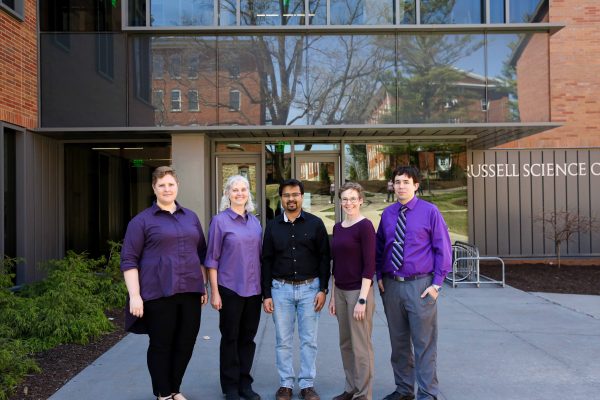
(300, 216)
(233, 215)
(410, 205)
(156, 208)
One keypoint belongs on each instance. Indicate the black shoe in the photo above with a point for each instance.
(232, 396)
(398, 396)
(249, 394)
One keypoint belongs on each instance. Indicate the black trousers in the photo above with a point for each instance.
(238, 321)
(173, 323)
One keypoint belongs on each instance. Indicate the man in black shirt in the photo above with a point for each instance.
(295, 277)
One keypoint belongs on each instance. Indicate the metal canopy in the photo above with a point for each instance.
(477, 136)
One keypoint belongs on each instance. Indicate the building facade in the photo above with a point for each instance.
(324, 91)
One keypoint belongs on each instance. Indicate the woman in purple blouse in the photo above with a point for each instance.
(161, 260)
(233, 262)
(353, 251)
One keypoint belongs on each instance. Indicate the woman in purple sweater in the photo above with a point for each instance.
(353, 250)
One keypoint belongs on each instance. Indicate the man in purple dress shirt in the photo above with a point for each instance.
(411, 266)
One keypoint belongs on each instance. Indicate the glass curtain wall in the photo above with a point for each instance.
(106, 184)
(321, 12)
(293, 79)
(443, 178)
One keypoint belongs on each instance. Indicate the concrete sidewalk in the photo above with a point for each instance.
(494, 343)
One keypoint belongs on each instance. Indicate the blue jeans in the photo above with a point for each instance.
(291, 301)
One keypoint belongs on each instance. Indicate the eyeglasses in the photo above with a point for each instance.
(289, 195)
(352, 200)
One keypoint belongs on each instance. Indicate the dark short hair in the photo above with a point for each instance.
(408, 170)
(290, 182)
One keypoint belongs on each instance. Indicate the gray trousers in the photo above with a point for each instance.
(412, 322)
(355, 342)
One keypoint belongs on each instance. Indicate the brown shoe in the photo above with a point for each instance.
(283, 393)
(344, 396)
(309, 393)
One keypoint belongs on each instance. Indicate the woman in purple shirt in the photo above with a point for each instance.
(353, 250)
(161, 260)
(233, 262)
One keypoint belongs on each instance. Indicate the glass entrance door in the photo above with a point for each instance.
(320, 176)
(247, 166)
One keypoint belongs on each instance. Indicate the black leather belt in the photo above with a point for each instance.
(407, 278)
(292, 282)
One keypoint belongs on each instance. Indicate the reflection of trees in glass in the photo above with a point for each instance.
(452, 11)
(280, 163)
(431, 87)
(345, 75)
(361, 12)
(507, 84)
(269, 12)
(357, 162)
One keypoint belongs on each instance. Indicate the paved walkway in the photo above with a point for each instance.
(494, 343)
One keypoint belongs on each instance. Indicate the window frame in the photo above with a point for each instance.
(17, 12)
(173, 109)
(239, 100)
(197, 100)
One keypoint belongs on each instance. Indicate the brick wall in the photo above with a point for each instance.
(18, 67)
(574, 78)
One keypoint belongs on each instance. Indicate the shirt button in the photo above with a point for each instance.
(293, 248)
(293, 236)
(294, 261)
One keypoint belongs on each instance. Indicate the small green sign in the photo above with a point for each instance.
(137, 163)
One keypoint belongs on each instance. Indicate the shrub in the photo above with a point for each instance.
(66, 307)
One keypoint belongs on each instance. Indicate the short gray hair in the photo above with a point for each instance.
(226, 203)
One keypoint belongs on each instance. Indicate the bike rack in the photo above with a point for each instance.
(465, 266)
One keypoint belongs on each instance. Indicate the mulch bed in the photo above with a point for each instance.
(60, 364)
(546, 277)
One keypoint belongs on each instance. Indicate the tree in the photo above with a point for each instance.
(561, 226)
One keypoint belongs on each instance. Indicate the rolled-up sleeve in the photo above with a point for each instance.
(133, 244)
(215, 240)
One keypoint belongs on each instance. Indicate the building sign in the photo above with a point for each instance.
(532, 170)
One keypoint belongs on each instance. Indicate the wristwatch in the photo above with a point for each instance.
(437, 288)
(326, 291)
(362, 301)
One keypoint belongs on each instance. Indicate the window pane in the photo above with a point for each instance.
(137, 12)
(74, 67)
(106, 184)
(268, 12)
(452, 11)
(234, 100)
(317, 12)
(193, 100)
(407, 12)
(362, 12)
(269, 72)
(181, 12)
(518, 78)
(497, 12)
(441, 78)
(169, 53)
(528, 11)
(351, 80)
(227, 12)
(79, 16)
(278, 164)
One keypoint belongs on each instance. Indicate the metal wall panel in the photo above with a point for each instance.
(39, 213)
(510, 190)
